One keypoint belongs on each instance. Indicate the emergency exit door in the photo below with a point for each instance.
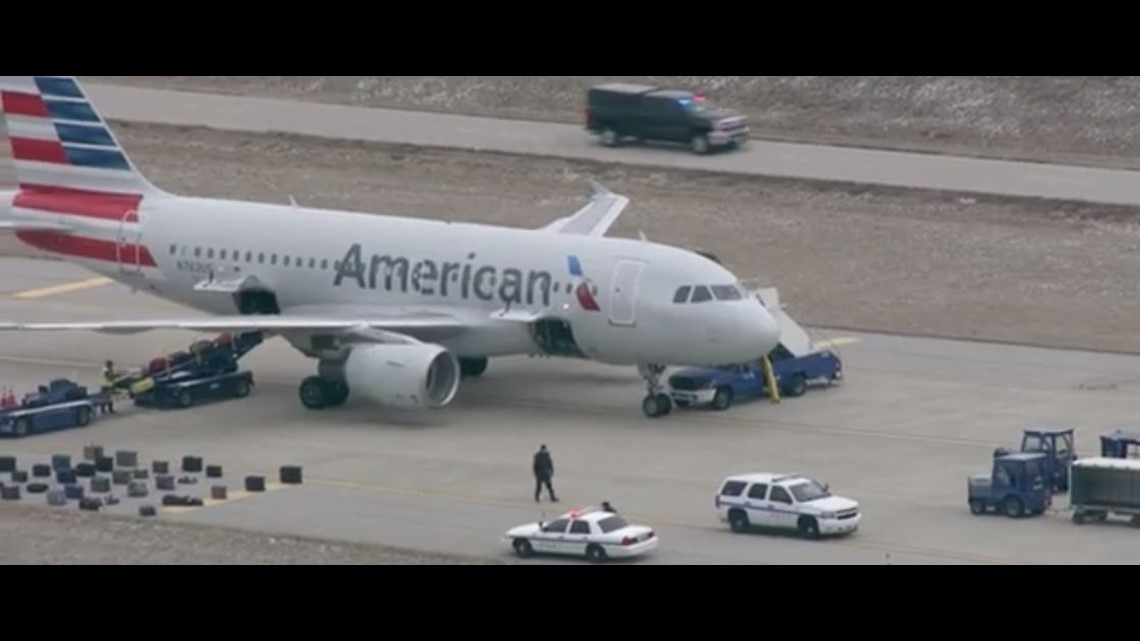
(623, 296)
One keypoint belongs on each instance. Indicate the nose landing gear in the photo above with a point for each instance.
(657, 402)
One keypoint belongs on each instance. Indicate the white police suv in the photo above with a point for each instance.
(592, 532)
(785, 501)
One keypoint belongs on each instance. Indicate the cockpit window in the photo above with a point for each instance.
(682, 295)
(701, 294)
(726, 292)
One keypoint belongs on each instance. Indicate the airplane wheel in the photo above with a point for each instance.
(313, 393)
(337, 393)
(657, 405)
(472, 367)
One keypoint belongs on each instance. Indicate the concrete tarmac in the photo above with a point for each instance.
(818, 162)
(912, 420)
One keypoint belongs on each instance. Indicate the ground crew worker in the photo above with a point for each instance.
(109, 376)
(543, 472)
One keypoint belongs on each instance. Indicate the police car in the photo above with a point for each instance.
(785, 501)
(592, 533)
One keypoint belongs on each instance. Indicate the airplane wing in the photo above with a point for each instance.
(371, 327)
(596, 218)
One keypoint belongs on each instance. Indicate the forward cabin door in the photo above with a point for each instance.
(623, 294)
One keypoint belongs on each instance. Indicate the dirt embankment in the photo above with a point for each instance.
(1078, 119)
(32, 535)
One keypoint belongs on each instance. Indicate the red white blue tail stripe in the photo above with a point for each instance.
(71, 171)
(59, 139)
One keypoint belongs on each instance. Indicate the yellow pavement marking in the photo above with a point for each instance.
(65, 288)
(230, 498)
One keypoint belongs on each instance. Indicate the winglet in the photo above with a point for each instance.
(596, 218)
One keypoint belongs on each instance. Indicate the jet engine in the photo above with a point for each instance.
(406, 376)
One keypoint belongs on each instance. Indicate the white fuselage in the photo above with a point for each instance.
(470, 271)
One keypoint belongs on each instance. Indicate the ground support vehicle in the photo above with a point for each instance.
(1120, 444)
(1057, 446)
(59, 405)
(1015, 486)
(592, 533)
(209, 370)
(618, 111)
(1105, 486)
(785, 501)
(794, 365)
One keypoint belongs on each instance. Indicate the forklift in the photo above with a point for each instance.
(1056, 444)
(1121, 444)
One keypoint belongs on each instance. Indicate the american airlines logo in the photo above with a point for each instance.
(467, 279)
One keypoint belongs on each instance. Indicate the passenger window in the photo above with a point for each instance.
(556, 527)
(758, 491)
(300, 263)
(285, 261)
(580, 527)
(249, 257)
(726, 292)
(273, 259)
(197, 252)
(222, 256)
(682, 295)
(701, 294)
(312, 263)
(324, 263)
(780, 495)
(173, 249)
(210, 253)
(261, 258)
(733, 488)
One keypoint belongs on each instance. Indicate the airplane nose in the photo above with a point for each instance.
(763, 332)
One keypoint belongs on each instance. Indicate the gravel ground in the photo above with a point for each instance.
(844, 257)
(32, 535)
(1077, 119)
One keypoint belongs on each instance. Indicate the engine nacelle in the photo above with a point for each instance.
(407, 376)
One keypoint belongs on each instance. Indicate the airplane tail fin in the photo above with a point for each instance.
(61, 144)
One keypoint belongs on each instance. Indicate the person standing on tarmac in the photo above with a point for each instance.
(109, 379)
(543, 467)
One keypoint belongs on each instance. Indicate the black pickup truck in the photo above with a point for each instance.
(617, 111)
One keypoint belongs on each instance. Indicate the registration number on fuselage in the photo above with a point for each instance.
(194, 267)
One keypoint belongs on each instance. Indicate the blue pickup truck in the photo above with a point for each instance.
(720, 386)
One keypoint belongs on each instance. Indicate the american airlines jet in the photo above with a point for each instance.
(395, 309)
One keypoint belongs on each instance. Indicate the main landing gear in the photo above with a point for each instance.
(318, 393)
(472, 367)
(657, 402)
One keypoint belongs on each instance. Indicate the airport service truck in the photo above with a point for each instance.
(1102, 486)
(797, 363)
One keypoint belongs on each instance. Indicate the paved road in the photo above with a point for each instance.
(766, 158)
(913, 419)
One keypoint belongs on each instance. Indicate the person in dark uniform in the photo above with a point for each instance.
(543, 472)
(607, 507)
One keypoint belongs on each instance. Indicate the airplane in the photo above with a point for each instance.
(394, 309)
